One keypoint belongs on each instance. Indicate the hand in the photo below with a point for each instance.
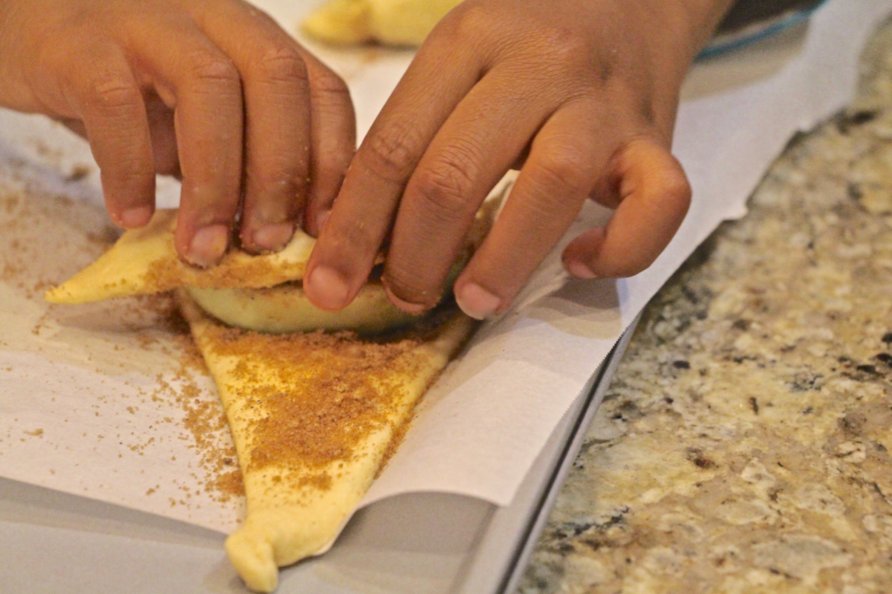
(583, 92)
(214, 92)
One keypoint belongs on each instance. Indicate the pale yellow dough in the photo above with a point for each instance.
(290, 515)
(392, 22)
(144, 261)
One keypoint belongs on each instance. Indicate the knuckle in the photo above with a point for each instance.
(280, 63)
(208, 68)
(391, 152)
(330, 85)
(331, 98)
(564, 170)
(113, 94)
(444, 189)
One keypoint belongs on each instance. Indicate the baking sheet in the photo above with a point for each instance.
(479, 548)
(80, 406)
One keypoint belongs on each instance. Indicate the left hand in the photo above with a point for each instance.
(215, 93)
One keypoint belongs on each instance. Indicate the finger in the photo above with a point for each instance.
(161, 130)
(565, 159)
(468, 156)
(329, 131)
(277, 125)
(333, 140)
(110, 105)
(164, 140)
(654, 198)
(208, 124)
(363, 210)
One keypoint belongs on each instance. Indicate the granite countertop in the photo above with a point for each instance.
(745, 443)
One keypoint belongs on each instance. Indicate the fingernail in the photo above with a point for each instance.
(477, 302)
(406, 306)
(135, 217)
(208, 245)
(273, 237)
(327, 288)
(580, 270)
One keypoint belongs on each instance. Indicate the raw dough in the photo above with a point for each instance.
(144, 261)
(312, 417)
(392, 22)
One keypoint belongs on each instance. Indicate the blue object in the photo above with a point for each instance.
(756, 32)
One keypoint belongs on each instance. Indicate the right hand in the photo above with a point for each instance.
(213, 92)
(581, 93)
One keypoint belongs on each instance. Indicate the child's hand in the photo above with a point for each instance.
(214, 92)
(583, 91)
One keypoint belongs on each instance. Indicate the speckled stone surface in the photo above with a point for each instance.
(745, 442)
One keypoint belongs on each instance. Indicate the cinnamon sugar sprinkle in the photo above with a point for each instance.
(164, 275)
(45, 236)
(203, 419)
(342, 390)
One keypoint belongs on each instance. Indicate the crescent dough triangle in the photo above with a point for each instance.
(312, 416)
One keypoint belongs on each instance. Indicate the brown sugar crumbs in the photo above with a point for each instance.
(28, 265)
(163, 275)
(204, 419)
(344, 389)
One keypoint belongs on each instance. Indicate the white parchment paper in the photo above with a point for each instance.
(92, 397)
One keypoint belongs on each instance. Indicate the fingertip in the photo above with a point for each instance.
(326, 288)
(580, 254)
(207, 246)
(477, 302)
